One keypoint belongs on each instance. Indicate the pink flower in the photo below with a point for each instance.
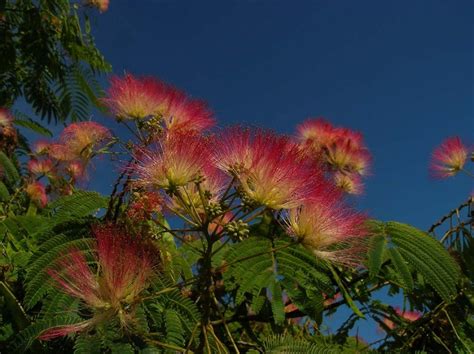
(183, 113)
(135, 98)
(143, 206)
(174, 162)
(343, 155)
(37, 193)
(317, 132)
(75, 169)
(340, 148)
(330, 229)
(45, 167)
(41, 147)
(449, 158)
(138, 98)
(62, 331)
(269, 168)
(79, 141)
(409, 316)
(349, 183)
(125, 266)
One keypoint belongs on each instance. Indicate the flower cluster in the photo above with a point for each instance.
(341, 149)
(195, 170)
(64, 162)
(270, 169)
(125, 266)
(450, 157)
(328, 227)
(140, 98)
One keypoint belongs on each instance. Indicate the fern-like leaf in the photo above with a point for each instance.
(79, 204)
(9, 169)
(25, 338)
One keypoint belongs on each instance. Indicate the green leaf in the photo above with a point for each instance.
(79, 204)
(377, 245)
(278, 308)
(11, 172)
(31, 125)
(402, 269)
(4, 194)
(17, 312)
(290, 345)
(25, 338)
(425, 255)
(346, 294)
(174, 328)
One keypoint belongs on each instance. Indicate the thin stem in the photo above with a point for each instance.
(132, 131)
(469, 173)
(225, 325)
(193, 333)
(454, 329)
(167, 290)
(172, 232)
(254, 255)
(166, 345)
(229, 187)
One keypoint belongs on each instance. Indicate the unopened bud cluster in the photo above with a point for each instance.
(237, 229)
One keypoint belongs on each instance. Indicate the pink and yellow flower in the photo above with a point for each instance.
(44, 167)
(349, 183)
(182, 113)
(449, 158)
(41, 147)
(269, 168)
(75, 169)
(328, 228)
(174, 162)
(135, 98)
(317, 132)
(37, 193)
(79, 141)
(342, 155)
(126, 264)
(138, 98)
(145, 205)
(341, 148)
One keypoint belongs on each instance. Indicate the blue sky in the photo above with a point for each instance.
(401, 72)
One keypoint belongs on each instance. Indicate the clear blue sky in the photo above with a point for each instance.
(401, 72)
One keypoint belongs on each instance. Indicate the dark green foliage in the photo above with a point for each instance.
(291, 345)
(49, 58)
(11, 172)
(410, 250)
(377, 246)
(77, 205)
(25, 338)
(24, 121)
(38, 281)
